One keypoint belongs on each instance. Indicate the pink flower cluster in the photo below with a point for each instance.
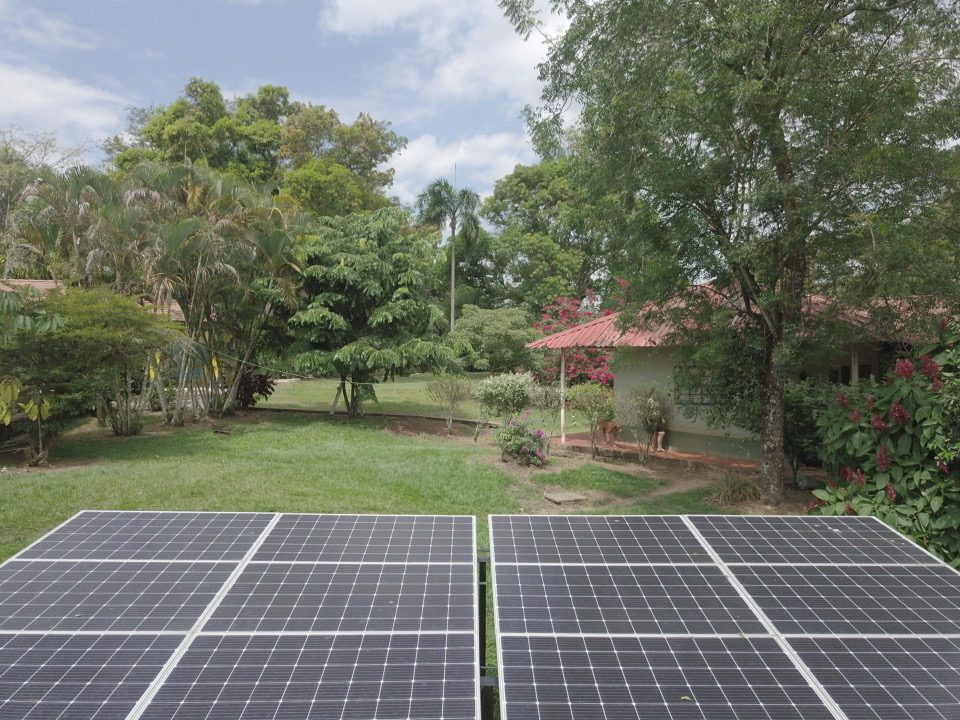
(589, 365)
(905, 369)
(930, 368)
(883, 458)
(898, 413)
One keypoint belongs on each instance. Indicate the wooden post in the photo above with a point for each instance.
(563, 395)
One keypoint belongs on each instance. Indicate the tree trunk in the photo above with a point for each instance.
(771, 429)
(453, 281)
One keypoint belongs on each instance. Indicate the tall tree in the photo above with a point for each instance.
(442, 204)
(365, 312)
(770, 138)
(551, 243)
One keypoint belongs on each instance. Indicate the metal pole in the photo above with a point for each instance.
(563, 396)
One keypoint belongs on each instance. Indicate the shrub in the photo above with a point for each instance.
(595, 403)
(523, 444)
(254, 386)
(734, 488)
(894, 455)
(505, 395)
(641, 411)
(449, 393)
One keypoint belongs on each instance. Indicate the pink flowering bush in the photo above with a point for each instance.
(897, 456)
(583, 365)
(523, 444)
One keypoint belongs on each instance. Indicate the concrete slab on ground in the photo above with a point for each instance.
(563, 496)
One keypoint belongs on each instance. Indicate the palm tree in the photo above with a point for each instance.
(442, 204)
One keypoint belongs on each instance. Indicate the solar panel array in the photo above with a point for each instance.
(721, 617)
(177, 616)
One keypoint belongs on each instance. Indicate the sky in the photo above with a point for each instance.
(451, 76)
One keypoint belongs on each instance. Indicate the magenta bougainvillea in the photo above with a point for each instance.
(583, 364)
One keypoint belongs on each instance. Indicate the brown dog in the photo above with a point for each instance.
(611, 431)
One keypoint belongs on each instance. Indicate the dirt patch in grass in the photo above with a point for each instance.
(678, 477)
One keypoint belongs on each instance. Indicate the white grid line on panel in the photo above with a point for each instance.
(784, 645)
(184, 646)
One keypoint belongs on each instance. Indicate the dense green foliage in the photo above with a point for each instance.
(504, 396)
(365, 311)
(96, 358)
(893, 454)
(497, 339)
(786, 147)
(265, 138)
(550, 242)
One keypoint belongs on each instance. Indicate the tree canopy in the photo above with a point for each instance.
(267, 139)
(783, 145)
(365, 312)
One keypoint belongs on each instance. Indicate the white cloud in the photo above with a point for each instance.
(29, 26)
(464, 50)
(478, 162)
(74, 110)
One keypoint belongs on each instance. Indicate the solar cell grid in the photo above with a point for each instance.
(120, 535)
(318, 677)
(370, 538)
(887, 678)
(639, 599)
(803, 540)
(284, 597)
(868, 599)
(78, 677)
(107, 596)
(560, 678)
(594, 539)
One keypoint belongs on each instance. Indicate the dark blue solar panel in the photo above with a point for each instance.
(129, 535)
(78, 677)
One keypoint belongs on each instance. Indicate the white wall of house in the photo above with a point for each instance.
(646, 366)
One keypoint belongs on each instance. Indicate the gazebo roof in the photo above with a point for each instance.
(602, 333)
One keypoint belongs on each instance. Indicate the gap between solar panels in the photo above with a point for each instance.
(177, 616)
(170, 616)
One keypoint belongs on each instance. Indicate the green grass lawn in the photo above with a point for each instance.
(282, 463)
(403, 396)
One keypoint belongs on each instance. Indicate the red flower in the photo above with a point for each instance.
(943, 467)
(878, 423)
(929, 367)
(898, 413)
(943, 324)
(856, 415)
(870, 402)
(905, 369)
(844, 403)
(861, 480)
(883, 458)
(891, 493)
(849, 510)
(847, 475)
(937, 386)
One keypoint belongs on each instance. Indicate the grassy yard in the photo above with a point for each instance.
(288, 463)
(403, 396)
